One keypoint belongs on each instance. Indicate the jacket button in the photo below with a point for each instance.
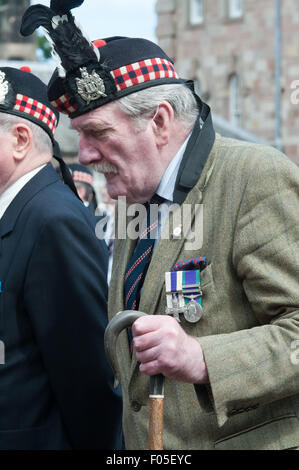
(135, 405)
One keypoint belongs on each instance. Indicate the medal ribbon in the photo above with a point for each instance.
(191, 286)
(180, 284)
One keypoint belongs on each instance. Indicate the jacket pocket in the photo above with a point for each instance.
(206, 276)
(278, 433)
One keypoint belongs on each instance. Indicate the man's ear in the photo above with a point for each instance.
(22, 141)
(162, 122)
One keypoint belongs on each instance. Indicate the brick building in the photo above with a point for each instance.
(228, 48)
(13, 45)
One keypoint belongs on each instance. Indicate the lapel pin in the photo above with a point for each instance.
(177, 232)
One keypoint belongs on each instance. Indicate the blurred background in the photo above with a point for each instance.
(242, 54)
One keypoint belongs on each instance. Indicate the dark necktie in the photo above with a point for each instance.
(140, 260)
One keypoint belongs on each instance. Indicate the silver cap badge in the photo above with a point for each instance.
(90, 87)
(3, 87)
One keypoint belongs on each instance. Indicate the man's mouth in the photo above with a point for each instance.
(105, 168)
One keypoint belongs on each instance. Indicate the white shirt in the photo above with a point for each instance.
(167, 185)
(10, 193)
(109, 235)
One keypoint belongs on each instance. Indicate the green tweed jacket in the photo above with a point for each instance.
(249, 330)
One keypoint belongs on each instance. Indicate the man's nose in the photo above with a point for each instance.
(87, 153)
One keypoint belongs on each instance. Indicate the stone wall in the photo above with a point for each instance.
(212, 52)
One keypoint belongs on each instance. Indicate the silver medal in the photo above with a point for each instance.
(175, 310)
(193, 311)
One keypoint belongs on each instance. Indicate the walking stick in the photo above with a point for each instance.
(156, 396)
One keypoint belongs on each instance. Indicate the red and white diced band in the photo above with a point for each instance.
(37, 110)
(63, 105)
(143, 71)
(127, 76)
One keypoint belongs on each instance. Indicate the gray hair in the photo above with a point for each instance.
(42, 140)
(144, 103)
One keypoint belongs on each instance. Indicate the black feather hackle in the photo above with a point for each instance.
(67, 39)
(35, 16)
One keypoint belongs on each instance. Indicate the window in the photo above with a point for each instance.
(195, 11)
(235, 8)
(234, 100)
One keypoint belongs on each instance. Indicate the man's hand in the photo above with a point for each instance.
(163, 347)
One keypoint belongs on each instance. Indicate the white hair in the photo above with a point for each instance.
(144, 103)
(42, 140)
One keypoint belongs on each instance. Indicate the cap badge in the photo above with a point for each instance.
(91, 86)
(3, 87)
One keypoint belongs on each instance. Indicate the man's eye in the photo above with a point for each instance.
(100, 135)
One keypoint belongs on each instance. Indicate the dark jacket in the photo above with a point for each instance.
(56, 387)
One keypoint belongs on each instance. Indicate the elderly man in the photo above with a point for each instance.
(231, 373)
(56, 387)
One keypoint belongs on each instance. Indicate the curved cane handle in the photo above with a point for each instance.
(118, 323)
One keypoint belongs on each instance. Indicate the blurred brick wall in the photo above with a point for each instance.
(220, 47)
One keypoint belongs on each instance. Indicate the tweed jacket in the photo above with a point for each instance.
(249, 327)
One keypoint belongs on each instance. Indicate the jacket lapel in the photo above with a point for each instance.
(121, 256)
(165, 256)
(168, 250)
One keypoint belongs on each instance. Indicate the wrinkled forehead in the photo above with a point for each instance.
(108, 115)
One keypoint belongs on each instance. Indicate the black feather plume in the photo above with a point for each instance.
(66, 37)
(72, 47)
(35, 16)
(61, 7)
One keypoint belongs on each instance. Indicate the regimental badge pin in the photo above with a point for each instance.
(3, 87)
(91, 86)
(177, 232)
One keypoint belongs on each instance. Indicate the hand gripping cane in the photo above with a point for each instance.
(117, 324)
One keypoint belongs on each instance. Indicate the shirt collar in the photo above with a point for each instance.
(167, 183)
(10, 193)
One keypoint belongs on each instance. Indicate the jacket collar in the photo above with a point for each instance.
(196, 154)
(43, 178)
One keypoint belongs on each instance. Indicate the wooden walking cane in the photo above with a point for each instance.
(156, 417)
